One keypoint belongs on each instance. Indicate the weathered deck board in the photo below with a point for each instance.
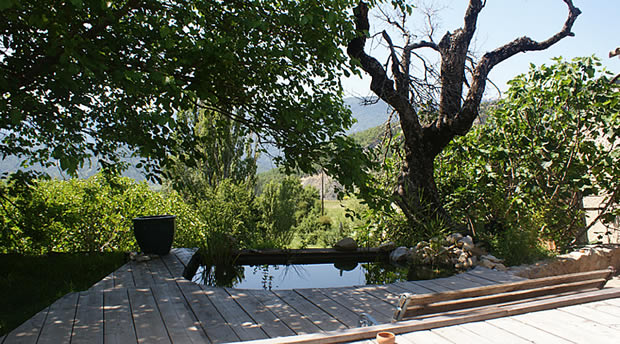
(493, 334)
(426, 337)
(182, 325)
(267, 320)
(361, 302)
(142, 275)
(494, 276)
(159, 271)
(106, 283)
(59, 322)
(28, 332)
(605, 307)
(592, 314)
(389, 293)
(315, 314)
(88, 324)
(149, 325)
(331, 307)
(532, 333)
(170, 309)
(476, 279)
(174, 265)
(216, 327)
(119, 327)
(457, 333)
(413, 287)
(243, 325)
(123, 277)
(296, 321)
(570, 327)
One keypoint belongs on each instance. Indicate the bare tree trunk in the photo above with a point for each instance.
(458, 104)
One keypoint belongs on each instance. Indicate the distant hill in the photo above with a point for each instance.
(367, 116)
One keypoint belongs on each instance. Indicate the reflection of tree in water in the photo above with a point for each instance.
(383, 273)
(267, 274)
(222, 275)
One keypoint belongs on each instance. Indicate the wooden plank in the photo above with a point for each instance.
(419, 307)
(605, 307)
(119, 327)
(123, 277)
(88, 325)
(331, 307)
(508, 287)
(159, 271)
(570, 327)
(217, 329)
(533, 334)
(267, 320)
(184, 254)
(28, 332)
(593, 314)
(59, 322)
(389, 292)
(243, 325)
(142, 274)
(474, 278)
(459, 334)
(412, 287)
(106, 283)
(426, 337)
(182, 325)
(148, 323)
(432, 286)
(613, 302)
(319, 317)
(174, 265)
(443, 320)
(494, 276)
(296, 321)
(492, 333)
(361, 302)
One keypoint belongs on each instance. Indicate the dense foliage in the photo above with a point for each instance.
(82, 215)
(521, 177)
(82, 78)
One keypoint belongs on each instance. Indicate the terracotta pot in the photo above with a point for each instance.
(386, 338)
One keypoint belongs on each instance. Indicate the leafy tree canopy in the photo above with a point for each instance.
(552, 141)
(84, 78)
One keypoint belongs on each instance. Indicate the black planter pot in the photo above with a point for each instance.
(154, 234)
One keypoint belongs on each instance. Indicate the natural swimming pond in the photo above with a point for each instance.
(322, 275)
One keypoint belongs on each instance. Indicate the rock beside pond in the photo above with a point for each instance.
(346, 244)
(400, 254)
(387, 246)
(455, 250)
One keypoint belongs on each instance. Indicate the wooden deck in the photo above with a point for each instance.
(149, 302)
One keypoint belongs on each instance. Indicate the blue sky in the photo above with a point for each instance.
(597, 31)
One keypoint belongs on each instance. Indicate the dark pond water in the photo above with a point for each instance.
(275, 277)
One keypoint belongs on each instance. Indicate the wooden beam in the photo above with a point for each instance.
(508, 287)
(414, 309)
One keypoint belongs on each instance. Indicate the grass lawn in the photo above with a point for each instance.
(30, 283)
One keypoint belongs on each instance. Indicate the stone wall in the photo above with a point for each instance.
(592, 257)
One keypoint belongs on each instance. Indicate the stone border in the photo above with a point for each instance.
(591, 257)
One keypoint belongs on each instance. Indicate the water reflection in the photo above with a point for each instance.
(274, 277)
